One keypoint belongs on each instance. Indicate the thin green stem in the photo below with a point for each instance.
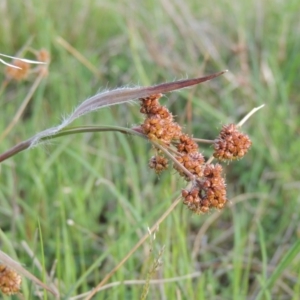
(91, 128)
(68, 131)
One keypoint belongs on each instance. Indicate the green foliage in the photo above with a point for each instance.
(82, 202)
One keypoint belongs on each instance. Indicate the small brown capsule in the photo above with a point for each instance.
(204, 209)
(189, 198)
(194, 192)
(151, 136)
(184, 193)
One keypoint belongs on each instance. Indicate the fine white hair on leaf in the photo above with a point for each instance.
(48, 132)
(118, 96)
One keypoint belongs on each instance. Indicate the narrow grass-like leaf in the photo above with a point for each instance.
(263, 249)
(106, 99)
(43, 256)
(22, 271)
(284, 263)
(21, 59)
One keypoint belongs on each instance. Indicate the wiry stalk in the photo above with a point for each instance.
(68, 131)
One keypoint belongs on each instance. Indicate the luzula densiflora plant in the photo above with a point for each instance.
(172, 147)
(207, 189)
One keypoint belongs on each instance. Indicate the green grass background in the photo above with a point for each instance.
(101, 181)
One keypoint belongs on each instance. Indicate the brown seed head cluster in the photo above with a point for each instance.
(208, 191)
(43, 56)
(19, 73)
(190, 158)
(193, 162)
(187, 144)
(159, 124)
(158, 163)
(24, 68)
(208, 185)
(231, 144)
(10, 281)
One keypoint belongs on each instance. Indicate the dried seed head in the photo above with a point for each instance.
(157, 129)
(231, 144)
(187, 144)
(158, 163)
(43, 55)
(10, 281)
(212, 186)
(208, 192)
(191, 198)
(19, 73)
(159, 123)
(150, 104)
(172, 131)
(193, 162)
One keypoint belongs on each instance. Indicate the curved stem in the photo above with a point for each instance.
(83, 129)
(16, 149)
(253, 111)
(28, 143)
(173, 150)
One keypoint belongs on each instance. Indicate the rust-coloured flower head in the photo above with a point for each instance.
(150, 104)
(19, 73)
(192, 200)
(158, 163)
(231, 143)
(154, 128)
(10, 281)
(172, 131)
(187, 144)
(208, 192)
(43, 56)
(159, 124)
(161, 129)
(213, 187)
(193, 162)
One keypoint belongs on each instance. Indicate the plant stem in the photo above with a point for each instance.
(176, 162)
(68, 131)
(14, 150)
(203, 141)
(253, 111)
(22, 107)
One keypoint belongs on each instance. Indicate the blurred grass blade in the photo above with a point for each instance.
(9, 262)
(284, 263)
(263, 249)
(21, 59)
